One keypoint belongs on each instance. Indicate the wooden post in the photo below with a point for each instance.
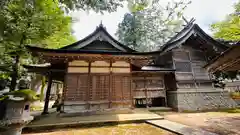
(45, 110)
(131, 92)
(145, 91)
(164, 88)
(89, 85)
(110, 86)
(131, 86)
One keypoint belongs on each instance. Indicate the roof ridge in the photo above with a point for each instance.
(186, 31)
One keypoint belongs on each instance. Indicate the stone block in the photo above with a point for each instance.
(200, 100)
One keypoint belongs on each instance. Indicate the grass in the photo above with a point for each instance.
(234, 110)
(36, 108)
(227, 110)
(119, 129)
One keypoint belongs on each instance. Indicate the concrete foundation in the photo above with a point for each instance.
(79, 108)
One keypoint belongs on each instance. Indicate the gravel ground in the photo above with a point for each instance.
(222, 123)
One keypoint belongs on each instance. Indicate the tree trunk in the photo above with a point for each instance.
(14, 74)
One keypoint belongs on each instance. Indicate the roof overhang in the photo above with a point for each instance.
(42, 69)
(154, 70)
(227, 61)
(49, 55)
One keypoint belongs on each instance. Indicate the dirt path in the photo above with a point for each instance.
(217, 122)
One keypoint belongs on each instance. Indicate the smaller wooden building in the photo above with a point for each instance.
(229, 60)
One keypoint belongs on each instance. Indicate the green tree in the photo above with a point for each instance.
(149, 24)
(25, 22)
(95, 5)
(60, 38)
(228, 29)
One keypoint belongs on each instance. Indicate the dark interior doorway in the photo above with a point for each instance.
(153, 102)
(158, 102)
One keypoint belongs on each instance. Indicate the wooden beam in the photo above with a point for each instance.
(226, 65)
(45, 110)
(229, 64)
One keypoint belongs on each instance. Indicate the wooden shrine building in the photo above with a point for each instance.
(102, 75)
(98, 74)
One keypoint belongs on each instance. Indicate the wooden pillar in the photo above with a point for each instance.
(131, 92)
(45, 110)
(89, 85)
(110, 86)
(164, 89)
(121, 80)
(131, 86)
(145, 89)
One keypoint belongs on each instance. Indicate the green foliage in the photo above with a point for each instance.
(150, 23)
(23, 22)
(230, 75)
(235, 94)
(226, 75)
(233, 110)
(95, 5)
(228, 29)
(60, 38)
(220, 76)
(26, 94)
(137, 5)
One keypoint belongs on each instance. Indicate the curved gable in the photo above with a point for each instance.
(188, 31)
(102, 37)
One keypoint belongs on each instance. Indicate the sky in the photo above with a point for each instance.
(205, 12)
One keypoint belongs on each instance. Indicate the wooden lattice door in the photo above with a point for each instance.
(121, 90)
(76, 87)
(99, 89)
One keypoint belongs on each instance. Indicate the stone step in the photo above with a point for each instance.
(165, 109)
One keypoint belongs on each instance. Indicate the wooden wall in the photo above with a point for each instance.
(189, 63)
(98, 82)
(150, 86)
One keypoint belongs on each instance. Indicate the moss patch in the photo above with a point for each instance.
(26, 94)
(111, 129)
